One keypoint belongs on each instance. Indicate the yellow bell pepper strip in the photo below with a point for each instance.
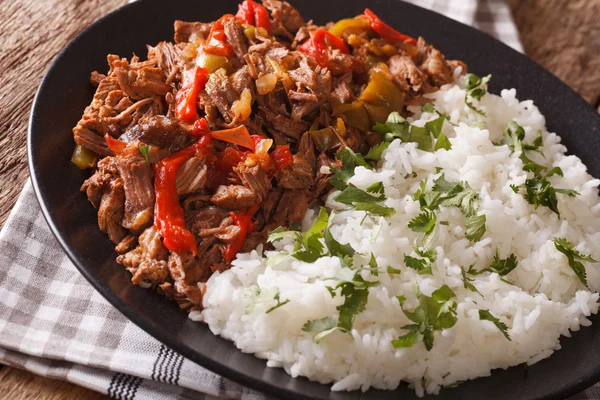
(84, 158)
(349, 26)
(381, 97)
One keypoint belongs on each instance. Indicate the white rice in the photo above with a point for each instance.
(545, 301)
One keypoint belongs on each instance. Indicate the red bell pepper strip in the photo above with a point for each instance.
(238, 135)
(168, 213)
(282, 157)
(252, 13)
(385, 31)
(115, 145)
(244, 221)
(194, 81)
(217, 43)
(318, 44)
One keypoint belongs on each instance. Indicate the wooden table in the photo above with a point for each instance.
(562, 35)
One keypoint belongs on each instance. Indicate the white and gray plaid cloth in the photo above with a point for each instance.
(53, 323)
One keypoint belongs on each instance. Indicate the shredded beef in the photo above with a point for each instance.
(168, 60)
(285, 14)
(222, 94)
(235, 36)
(147, 262)
(139, 189)
(183, 30)
(111, 210)
(168, 133)
(300, 174)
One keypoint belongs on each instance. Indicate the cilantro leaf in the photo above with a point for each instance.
(375, 209)
(396, 127)
(257, 295)
(454, 194)
(435, 126)
(421, 265)
(540, 192)
(377, 187)
(503, 267)
(424, 222)
(280, 233)
(145, 150)
(475, 89)
(412, 337)
(323, 327)
(279, 303)
(467, 281)
(486, 315)
(442, 142)
(350, 160)
(475, 227)
(433, 313)
(428, 107)
(391, 270)
(344, 251)
(574, 257)
(356, 294)
(376, 151)
(352, 194)
(318, 325)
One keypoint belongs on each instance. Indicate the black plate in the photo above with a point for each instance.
(65, 91)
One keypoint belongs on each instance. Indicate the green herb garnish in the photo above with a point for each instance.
(454, 194)
(540, 192)
(502, 267)
(433, 313)
(355, 293)
(145, 150)
(467, 281)
(476, 88)
(486, 315)
(574, 257)
(257, 295)
(442, 142)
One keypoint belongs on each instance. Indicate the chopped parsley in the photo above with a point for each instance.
(397, 127)
(257, 295)
(486, 315)
(355, 293)
(476, 88)
(538, 190)
(375, 152)
(363, 201)
(467, 281)
(453, 194)
(502, 267)
(353, 196)
(308, 246)
(145, 150)
(442, 142)
(350, 160)
(421, 263)
(574, 257)
(433, 313)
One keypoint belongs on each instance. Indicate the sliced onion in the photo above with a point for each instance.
(266, 83)
(243, 107)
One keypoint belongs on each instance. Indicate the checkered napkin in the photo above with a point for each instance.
(53, 323)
